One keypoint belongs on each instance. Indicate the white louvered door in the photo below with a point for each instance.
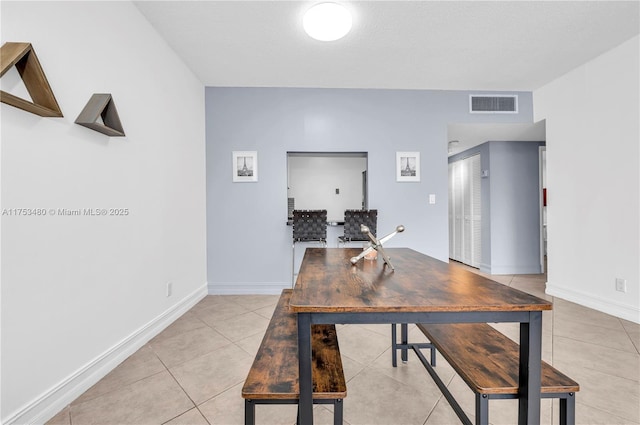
(465, 211)
(456, 216)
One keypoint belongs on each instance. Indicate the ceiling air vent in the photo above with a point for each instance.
(493, 104)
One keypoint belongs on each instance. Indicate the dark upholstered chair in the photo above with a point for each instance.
(352, 221)
(308, 226)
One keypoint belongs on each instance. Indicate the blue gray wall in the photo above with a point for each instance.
(248, 242)
(510, 206)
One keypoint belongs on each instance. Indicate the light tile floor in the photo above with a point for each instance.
(192, 373)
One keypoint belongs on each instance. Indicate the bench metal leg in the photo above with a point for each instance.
(305, 379)
(568, 410)
(337, 412)
(249, 412)
(567, 400)
(482, 409)
(404, 336)
(405, 346)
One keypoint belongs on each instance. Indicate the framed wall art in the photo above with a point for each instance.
(408, 166)
(245, 166)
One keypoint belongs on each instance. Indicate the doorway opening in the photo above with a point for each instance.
(335, 181)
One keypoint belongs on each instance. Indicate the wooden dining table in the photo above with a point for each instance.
(421, 289)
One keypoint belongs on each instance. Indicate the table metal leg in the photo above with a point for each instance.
(305, 405)
(394, 342)
(482, 409)
(530, 369)
(249, 412)
(338, 412)
(405, 340)
(568, 410)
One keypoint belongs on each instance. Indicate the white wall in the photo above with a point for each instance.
(81, 293)
(593, 163)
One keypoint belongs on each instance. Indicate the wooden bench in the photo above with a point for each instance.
(488, 363)
(273, 377)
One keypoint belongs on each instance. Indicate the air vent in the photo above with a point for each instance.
(492, 104)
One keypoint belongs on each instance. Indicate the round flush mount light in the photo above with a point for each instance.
(327, 21)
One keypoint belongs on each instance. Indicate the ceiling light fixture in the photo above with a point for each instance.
(327, 21)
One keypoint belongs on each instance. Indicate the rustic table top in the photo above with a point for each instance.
(329, 283)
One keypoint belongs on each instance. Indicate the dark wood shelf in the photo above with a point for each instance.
(23, 56)
(101, 106)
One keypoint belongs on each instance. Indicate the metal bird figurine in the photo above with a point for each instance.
(376, 244)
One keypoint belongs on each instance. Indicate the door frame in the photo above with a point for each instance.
(542, 153)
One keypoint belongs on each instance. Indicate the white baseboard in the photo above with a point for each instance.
(511, 269)
(613, 308)
(485, 268)
(53, 401)
(235, 288)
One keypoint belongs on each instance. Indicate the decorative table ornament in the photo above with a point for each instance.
(376, 246)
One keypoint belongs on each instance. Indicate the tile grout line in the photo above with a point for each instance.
(75, 403)
(440, 398)
(208, 353)
(245, 311)
(596, 344)
(626, 421)
(183, 390)
(628, 335)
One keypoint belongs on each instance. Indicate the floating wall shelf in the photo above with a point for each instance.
(101, 106)
(23, 56)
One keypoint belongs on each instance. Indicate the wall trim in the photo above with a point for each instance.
(245, 288)
(53, 401)
(531, 269)
(485, 268)
(622, 311)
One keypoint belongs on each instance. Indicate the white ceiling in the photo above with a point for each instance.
(446, 45)
(456, 45)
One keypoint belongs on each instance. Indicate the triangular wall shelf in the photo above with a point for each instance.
(101, 105)
(24, 58)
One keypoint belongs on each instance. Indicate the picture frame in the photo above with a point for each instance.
(245, 166)
(408, 166)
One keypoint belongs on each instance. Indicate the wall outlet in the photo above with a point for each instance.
(621, 285)
(169, 288)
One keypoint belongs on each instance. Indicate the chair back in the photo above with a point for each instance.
(309, 225)
(352, 221)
